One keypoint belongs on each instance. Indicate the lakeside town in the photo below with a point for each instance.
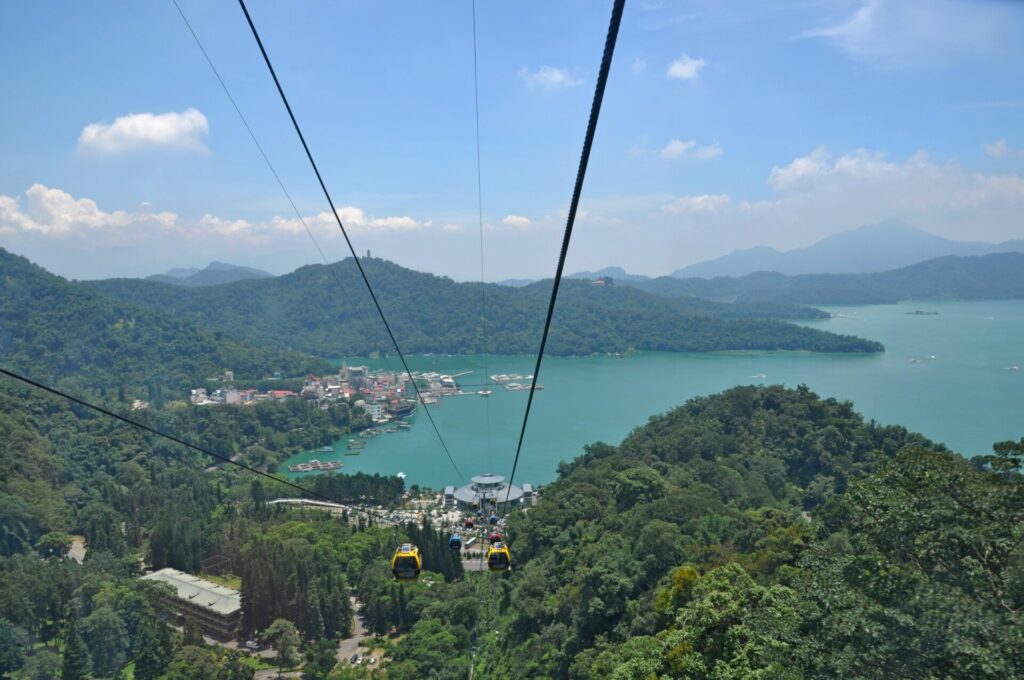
(385, 395)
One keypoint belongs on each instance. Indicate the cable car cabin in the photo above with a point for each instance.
(493, 519)
(455, 542)
(499, 558)
(406, 564)
(468, 523)
(494, 538)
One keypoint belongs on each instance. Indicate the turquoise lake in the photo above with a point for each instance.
(965, 397)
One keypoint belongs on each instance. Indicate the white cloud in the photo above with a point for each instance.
(685, 68)
(707, 152)
(452, 227)
(136, 131)
(703, 204)
(819, 194)
(898, 33)
(515, 221)
(224, 227)
(677, 148)
(50, 212)
(997, 149)
(549, 77)
(639, 65)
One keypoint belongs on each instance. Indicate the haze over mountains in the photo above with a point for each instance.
(213, 274)
(998, 276)
(871, 248)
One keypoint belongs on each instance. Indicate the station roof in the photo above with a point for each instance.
(467, 494)
(218, 599)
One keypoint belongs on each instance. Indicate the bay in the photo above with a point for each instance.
(964, 397)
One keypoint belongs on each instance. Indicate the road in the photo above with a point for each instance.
(350, 646)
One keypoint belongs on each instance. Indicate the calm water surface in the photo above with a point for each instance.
(964, 397)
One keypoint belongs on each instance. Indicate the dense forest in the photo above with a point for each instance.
(328, 313)
(984, 277)
(761, 532)
(61, 332)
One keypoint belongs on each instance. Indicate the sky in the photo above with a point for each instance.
(725, 125)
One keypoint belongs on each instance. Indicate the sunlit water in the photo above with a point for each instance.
(965, 397)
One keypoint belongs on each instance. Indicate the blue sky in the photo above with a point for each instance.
(725, 125)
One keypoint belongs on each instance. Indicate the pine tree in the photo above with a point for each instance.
(402, 611)
(75, 660)
(155, 650)
(193, 634)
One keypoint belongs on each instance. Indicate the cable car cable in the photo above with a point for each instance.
(480, 218)
(152, 430)
(344, 232)
(588, 142)
(266, 159)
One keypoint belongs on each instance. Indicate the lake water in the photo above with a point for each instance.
(965, 397)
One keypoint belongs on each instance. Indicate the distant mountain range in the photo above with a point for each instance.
(308, 310)
(994, 276)
(872, 248)
(214, 274)
(617, 273)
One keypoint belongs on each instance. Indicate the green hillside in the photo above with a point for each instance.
(308, 310)
(759, 533)
(55, 330)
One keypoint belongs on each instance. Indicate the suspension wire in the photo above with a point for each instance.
(344, 232)
(160, 433)
(480, 217)
(266, 159)
(588, 141)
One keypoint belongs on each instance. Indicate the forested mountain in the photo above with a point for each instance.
(55, 330)
(762, 532)
(871, 248)
(310, 311)
(997, 276)
(213, 274)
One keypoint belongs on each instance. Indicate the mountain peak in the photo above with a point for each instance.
(213, 274)
(885, 245)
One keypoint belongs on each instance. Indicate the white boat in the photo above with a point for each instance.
(759, 376)
(485, 393)
(1013, 368)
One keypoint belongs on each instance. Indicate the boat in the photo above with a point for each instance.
(352, 453)
(1013, 368)
(759, 376)
(391, 429)
(913, 361)
(402, 409)
(326, 449)
(402, 425)
(485, 393)
(355, 444)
